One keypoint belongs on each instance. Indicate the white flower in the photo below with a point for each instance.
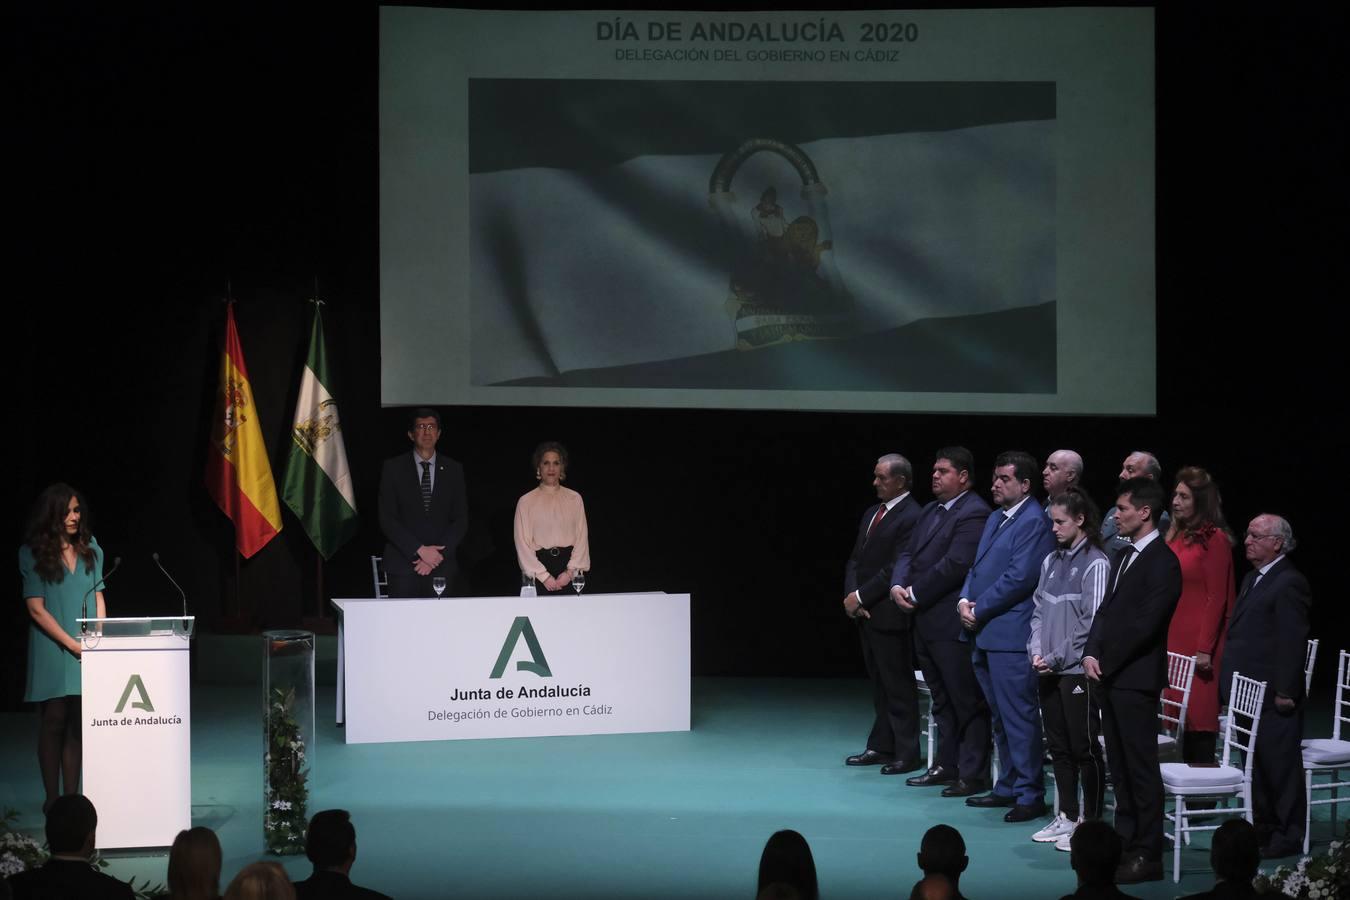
(281, 804)
(10, 865)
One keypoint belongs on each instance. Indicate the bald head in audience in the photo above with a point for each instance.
(1063, 470)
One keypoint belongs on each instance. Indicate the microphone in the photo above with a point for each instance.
(181, 592)
(84, 603)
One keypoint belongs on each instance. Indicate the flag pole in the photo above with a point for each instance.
(238, 474)
(236, 619)
(320, 612)
(319, 623)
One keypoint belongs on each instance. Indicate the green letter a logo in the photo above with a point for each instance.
(134, 682)
(539, 665)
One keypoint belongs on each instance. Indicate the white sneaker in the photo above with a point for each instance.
(1058, 827)
(1063, 841)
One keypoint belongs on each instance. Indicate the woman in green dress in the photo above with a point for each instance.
(61, 566)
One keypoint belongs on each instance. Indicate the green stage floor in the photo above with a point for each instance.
(681, 815)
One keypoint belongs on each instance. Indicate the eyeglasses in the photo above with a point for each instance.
(426, 426)
(1260, 537)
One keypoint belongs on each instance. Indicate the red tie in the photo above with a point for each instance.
(881, 511)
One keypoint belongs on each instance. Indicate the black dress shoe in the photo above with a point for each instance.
(1025, 813)
(867, 758)
(934, 776)
(1138, 869)
(900, 767)
(991, 801)
(963, 788)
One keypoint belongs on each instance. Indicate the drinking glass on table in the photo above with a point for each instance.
(438, 584)
(578, 580)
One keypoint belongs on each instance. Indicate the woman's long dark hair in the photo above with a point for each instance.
(1208, 516)
(1076, 503)
(47, 532)
(787, 860)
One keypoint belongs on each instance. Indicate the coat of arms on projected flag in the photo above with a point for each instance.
(784, 284)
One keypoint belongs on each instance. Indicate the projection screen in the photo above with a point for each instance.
(939, 211)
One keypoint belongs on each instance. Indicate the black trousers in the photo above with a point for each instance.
(1130, 723)
(1072, 724)
(959, 707)
(414, 585)
(1279, 797)
(889, 657)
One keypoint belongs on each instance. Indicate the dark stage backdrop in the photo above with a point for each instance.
(162, 157)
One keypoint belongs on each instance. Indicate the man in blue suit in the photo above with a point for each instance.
(995, 608)
(926, 583)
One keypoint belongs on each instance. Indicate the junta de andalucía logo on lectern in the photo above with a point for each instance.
(537, 664)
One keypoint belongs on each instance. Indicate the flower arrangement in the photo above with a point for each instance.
(18, 851)
(286, 791)
(1321, 877)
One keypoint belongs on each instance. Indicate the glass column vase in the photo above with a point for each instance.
(288, 730)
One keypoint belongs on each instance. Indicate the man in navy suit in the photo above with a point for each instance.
(423, 512)
(887, 641)
(926, 583)
(1125, 661)
(995, 608)
(1267, 640)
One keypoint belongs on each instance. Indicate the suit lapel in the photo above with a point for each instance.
(991, 532)
(892, 516)
(441, 485)
(926, 529)
(1251, 588)
(1128, 575)
(1244, 597)
(944, 521)
(867, 521)
(996, 522)
(1118, 578)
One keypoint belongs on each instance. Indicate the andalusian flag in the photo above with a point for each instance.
(318, 486)
(237, 472)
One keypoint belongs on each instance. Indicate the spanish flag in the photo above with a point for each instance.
(237, 472)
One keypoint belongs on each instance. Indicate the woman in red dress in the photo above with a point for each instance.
(1202, 542)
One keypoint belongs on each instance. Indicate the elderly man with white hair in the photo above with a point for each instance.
(1266, 641)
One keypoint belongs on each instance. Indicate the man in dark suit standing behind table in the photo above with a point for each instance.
(1267, 640)
(423, 512)
(887, 642)
(927, 583)
(995, 608)
(1125, 661)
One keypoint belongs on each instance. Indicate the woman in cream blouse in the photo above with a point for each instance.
(551, 542)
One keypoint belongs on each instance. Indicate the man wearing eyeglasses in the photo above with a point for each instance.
(423, 512)
(1267, 640)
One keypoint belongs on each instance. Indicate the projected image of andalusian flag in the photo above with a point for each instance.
(763, 235)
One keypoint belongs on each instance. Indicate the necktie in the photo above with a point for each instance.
(426, 486)
(881, 511)
(939, 512)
